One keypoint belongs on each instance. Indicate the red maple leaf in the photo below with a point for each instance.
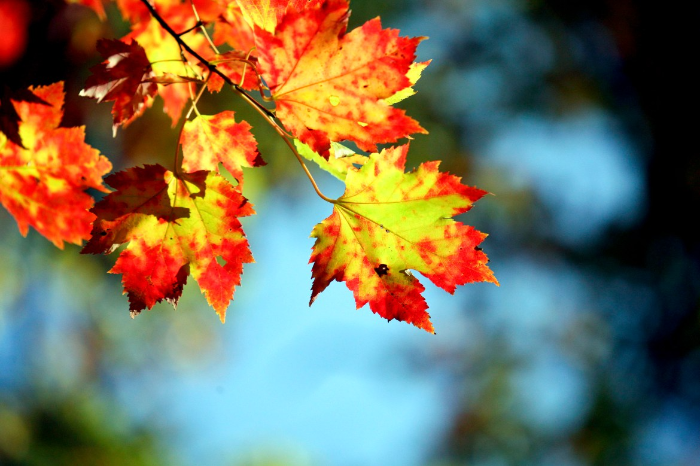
(42, 184)
(329, 85)
(174, 226)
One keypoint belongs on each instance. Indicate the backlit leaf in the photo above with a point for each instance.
(42, 184)
(330, 86)
(210, 139)
(174, 226)
(388, 222)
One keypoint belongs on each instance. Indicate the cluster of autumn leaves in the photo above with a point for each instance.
(328, 86)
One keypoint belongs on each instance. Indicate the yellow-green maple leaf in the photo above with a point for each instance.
(388, 222)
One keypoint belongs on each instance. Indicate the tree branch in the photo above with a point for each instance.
(201, 59)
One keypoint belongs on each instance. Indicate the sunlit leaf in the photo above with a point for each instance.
(174, 226)
(43, 183)
(389, 222)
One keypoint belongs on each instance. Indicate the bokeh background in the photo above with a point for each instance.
(578, 115)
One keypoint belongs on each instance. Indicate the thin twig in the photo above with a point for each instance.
(199, 24)
(204, 30)
(289, 143)
(206, 63)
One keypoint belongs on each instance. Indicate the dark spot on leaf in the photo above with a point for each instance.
(477, 248)
(245, 201)
(103, 233)
(382, 270)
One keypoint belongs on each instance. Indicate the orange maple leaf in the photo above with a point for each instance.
(328, 85)
(175, 225)
(42, 184)
(208, 140)
(388, 222)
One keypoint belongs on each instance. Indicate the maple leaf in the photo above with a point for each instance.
(330, 86)
(388, 222)
(123, 78)
(42, 183)
(9, 118)
(208, 140)
(175, 225)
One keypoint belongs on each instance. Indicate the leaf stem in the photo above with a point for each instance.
(201, 25)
